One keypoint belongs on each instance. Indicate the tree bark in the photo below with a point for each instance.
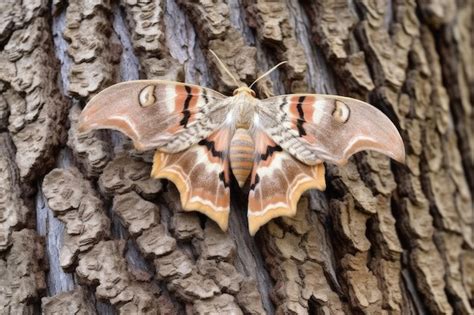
(83, 228)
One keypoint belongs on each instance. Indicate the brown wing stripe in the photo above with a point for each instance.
(211, 147)
(301, 112)
(300, 121)
(255, 182)
(222, 178)
(283, 103)
(204, 96)
(186, 113)
(270, 151)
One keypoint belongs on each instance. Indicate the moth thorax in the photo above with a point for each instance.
(246, 111)
(241, 155)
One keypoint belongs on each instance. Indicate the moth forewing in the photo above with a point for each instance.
(314, 127)
(155, 113)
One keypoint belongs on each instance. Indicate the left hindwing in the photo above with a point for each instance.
(315, 127)
(201, 174)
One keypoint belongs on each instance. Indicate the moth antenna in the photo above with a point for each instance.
(267, 73)
(225, 68)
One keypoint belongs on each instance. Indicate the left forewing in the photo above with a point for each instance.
(170, 116)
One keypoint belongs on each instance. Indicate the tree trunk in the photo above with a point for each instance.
(83, 229)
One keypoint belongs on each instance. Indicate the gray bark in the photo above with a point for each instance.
(83, 228)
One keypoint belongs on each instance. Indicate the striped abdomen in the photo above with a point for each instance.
(241, 155)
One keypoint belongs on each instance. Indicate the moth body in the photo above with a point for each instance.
(242, 147)
(278, 143)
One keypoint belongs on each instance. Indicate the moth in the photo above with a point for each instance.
(277, 145)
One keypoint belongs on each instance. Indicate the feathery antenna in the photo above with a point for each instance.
(221, 63)
(225, 68)
(267, 73)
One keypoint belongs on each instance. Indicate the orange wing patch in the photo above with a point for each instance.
(301, 111)
(186, 101)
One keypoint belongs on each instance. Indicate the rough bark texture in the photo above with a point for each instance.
(83, 229)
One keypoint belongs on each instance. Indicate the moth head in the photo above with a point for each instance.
(244, 89)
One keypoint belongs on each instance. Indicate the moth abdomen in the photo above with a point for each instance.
(241, 155)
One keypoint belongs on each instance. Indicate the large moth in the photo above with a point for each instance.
(277, 145)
